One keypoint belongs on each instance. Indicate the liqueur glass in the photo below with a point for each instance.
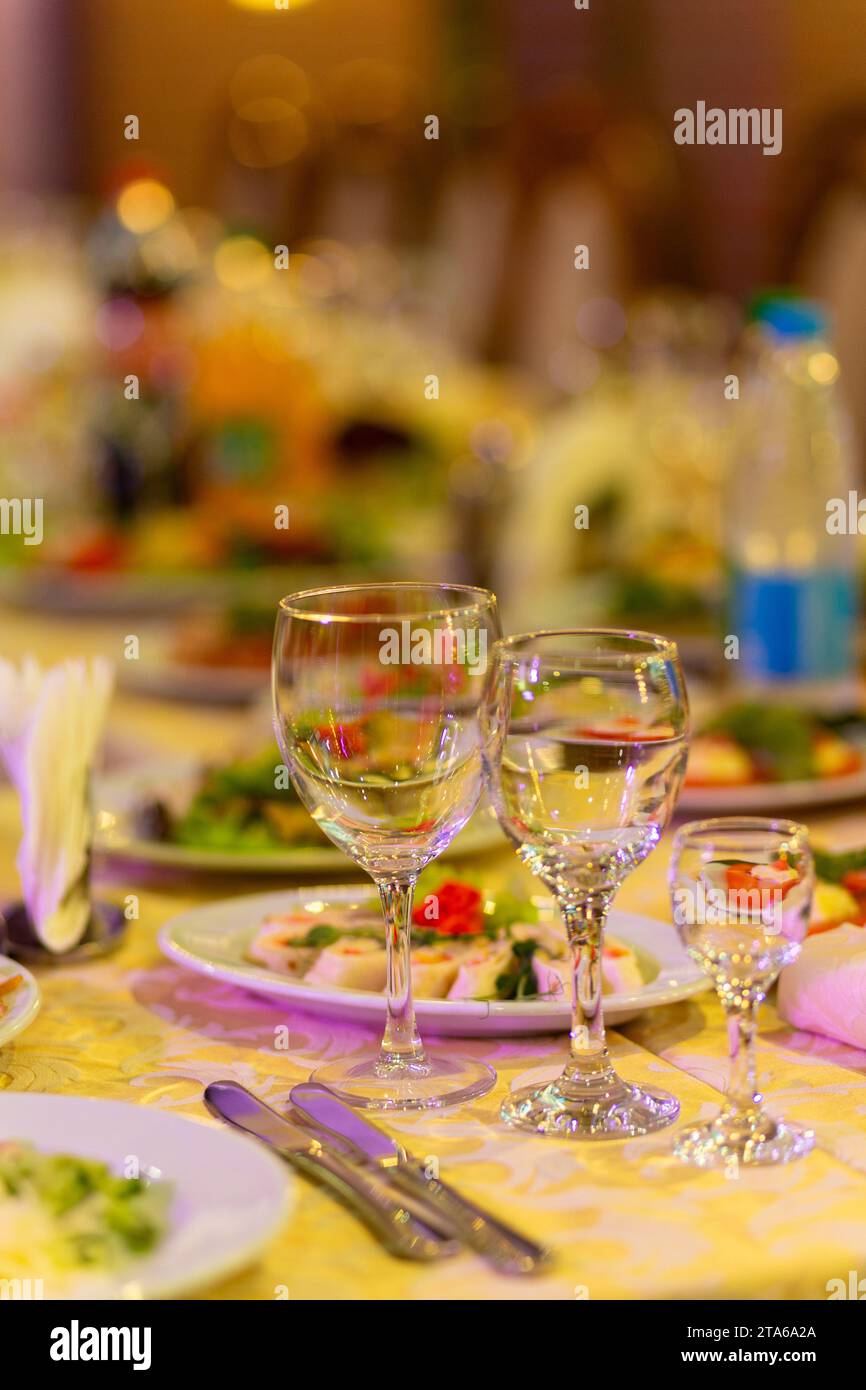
(378, 693)
(584, 757)
(741, 891)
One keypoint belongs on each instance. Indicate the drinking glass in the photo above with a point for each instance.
(741, 890)
(584, 756)
(378, 691)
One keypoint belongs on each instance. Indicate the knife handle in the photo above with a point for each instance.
(507, 1249)
(401, 1232)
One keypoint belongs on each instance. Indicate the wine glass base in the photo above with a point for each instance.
(429, 1083)
(727, 1142)
(619, 1111)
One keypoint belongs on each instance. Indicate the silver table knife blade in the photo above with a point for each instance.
(417, 1203)
(398, 1229)
(507, 1249)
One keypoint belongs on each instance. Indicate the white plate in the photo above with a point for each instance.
(212, 940)
(230, 1196)
(770, 797)
(22, 1004)
(200, 685)
(116, 796)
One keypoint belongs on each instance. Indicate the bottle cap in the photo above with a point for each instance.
(787, 316)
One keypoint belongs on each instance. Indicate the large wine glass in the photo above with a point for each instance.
(585, 752)
(378, 694)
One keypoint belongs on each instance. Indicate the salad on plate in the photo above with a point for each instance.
(751, 744)
(63, 1218)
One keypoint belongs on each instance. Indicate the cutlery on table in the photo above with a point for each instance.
(366, 1144)
(399, 1229)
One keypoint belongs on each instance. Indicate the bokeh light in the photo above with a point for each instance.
(823, 367)
(601, 322)
(119, 322)
(262, 5)
(268, 75)
(242, 262)
(143, 205)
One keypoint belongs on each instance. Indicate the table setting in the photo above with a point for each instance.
(480, 1159)
(432, 668)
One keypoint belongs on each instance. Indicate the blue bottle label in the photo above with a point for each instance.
(795, 626)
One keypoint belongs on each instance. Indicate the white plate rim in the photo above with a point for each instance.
(161, 674)
(480, 836)
(535, 1016)
(186, 1280)
(22, 1013)
(767, 796)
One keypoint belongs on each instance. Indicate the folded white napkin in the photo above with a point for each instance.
(50, 725)
(824, 991)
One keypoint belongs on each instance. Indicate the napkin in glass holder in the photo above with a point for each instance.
(51, 723)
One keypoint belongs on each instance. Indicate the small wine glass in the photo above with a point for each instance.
(378, 691)
(584, 758)
(741, 891)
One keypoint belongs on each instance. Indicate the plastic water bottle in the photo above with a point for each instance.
(793, 580)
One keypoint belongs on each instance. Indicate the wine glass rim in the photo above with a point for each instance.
(653, 643)
(477, 599)
(720, 825)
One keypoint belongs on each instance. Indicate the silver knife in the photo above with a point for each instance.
(507, 1249)
(398, 1229)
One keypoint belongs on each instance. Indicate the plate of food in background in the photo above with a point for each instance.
(19, 997)
(483, 964)
(758, 758)
(215, 658)
(840, 890)
(230, 818)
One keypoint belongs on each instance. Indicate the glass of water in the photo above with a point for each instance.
(586, 754)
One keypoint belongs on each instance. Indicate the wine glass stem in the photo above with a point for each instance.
(400, 1042)
(584, 920)
(743, 1085)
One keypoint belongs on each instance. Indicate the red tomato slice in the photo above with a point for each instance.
(741, 878)
(625, 730)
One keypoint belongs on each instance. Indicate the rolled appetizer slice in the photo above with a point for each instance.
(552, 976)
(434, 970)
(351, 963)
(275, 944)
(289, 942)
(550, 936)
(620, 972)
(479, 970)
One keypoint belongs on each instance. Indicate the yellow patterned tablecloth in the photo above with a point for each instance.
(625, 1220)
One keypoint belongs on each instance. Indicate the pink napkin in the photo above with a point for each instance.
(824, 991)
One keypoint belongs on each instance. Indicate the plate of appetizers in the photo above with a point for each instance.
(19, 999)
(215, 658)
(840, 890)
(481, 964)
(757, 758)
(143, 1203)
(241, 816)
